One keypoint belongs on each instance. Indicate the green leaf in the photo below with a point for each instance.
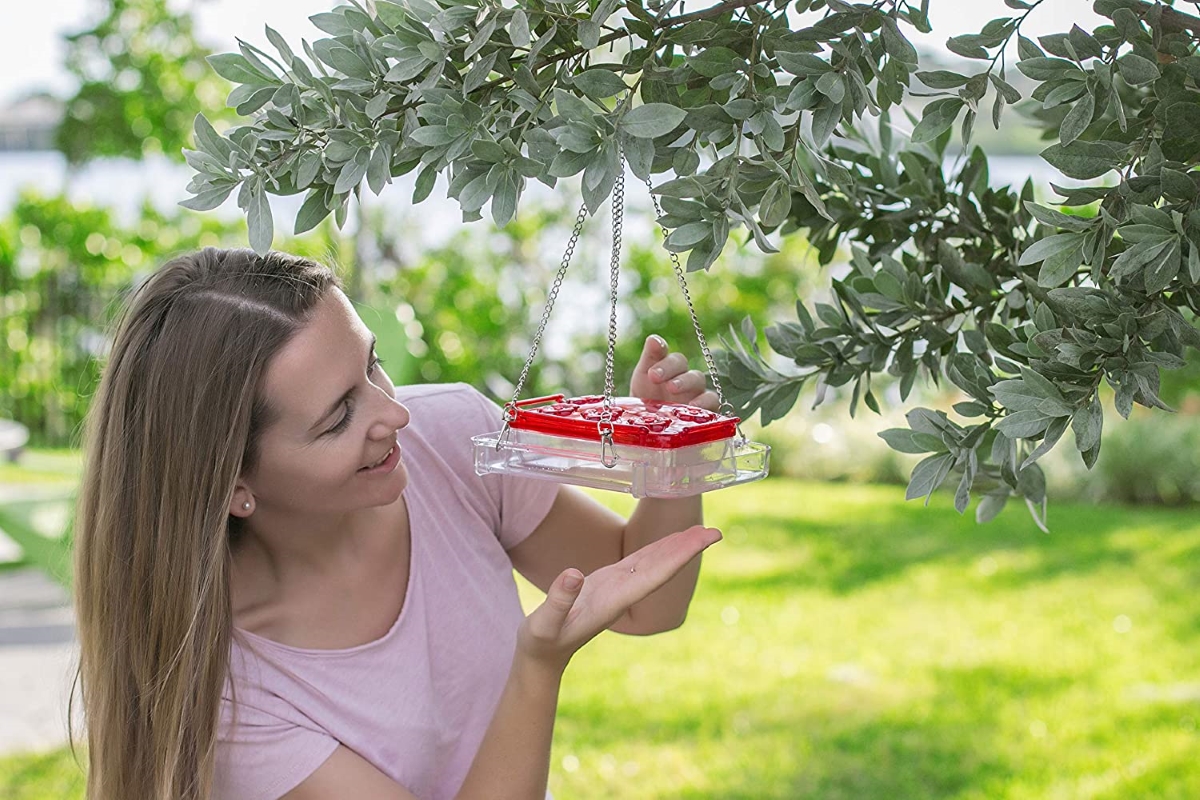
(352, 171)
(776, 204)
(1024, 424)
(599, 83)
(518, 29)
(1137, 257)
(1077, 119)
(504, 200)
(832, 86)
(211, 142)
(688, 235)
(425, 182)
(652, 119)
(589, 34)
(312, 211)
(943, 79)
(717, 61)
(1082, 160)
(348, 62)
(378, 172)
(639, 153)
(824, 119)
(1056, 219)
(685, 161)
(903, 440)
(235, 67)
(799, 64)
(1087, 425)
(896, 45)
(280, 44)
(1137, 70)
(990, 505)
(208, 199)
(1044, 248)
(258, 219)
(1060, 267)
(1177, 184)
(936, 118)
(1163, 268)
(1048, 69)
(927, 476)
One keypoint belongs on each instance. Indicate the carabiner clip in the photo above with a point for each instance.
(608, 455)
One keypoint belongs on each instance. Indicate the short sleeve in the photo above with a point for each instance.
(266, 756)
(523, 502)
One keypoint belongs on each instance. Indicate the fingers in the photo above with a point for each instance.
(548, 619)
(644, 571)
(654, 351)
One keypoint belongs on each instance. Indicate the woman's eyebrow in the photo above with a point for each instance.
(346, 395)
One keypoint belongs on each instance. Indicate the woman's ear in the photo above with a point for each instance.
(242, 504)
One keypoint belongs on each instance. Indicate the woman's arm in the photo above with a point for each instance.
(580, 532)
(513, 761)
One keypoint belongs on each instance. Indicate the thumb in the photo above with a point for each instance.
(547, 620)
(654, 351)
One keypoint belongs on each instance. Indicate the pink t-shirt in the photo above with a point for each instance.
(416, 702)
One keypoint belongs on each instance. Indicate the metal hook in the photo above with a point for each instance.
(608, 456)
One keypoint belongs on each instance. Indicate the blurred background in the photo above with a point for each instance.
(843, 644)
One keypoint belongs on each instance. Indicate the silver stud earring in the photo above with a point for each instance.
(246, 505)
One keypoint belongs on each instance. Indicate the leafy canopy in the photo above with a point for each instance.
(782, 117)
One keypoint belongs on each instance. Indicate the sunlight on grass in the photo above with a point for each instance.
(844, 644)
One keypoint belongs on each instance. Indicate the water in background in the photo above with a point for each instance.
(123, 185)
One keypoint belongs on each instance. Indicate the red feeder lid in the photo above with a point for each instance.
(634, 422)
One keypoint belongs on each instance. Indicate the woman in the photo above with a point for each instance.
(289, 580)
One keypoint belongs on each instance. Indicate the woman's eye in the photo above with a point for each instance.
(375, 362)
(344, 421)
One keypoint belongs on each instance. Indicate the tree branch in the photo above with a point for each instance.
(670, 22)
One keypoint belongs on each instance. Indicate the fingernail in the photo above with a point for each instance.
(657, 373)
(572, 582)
(658, 340)
(676, 384)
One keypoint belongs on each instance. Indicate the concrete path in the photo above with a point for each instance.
(38, 655)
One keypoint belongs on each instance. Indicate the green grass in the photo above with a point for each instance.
(36, 495)
(42, 467)
(846, 645)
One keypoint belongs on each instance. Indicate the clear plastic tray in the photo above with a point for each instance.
(639, 471)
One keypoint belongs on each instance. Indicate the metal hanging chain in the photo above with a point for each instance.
(604, 426)
(510, 409)
(725, 406)
(614, 266)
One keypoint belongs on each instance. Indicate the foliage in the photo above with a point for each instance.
(63, 268)
(732, 111)
(470, 307)
(843, 645)
(142, 79)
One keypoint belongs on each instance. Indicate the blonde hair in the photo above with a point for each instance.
(177, 418)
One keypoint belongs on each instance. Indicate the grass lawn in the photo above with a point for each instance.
(846, 645)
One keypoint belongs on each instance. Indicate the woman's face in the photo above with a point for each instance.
(327, 451)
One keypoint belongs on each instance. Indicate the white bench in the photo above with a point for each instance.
(13, 436)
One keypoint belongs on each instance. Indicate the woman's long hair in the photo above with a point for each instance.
(176, 420)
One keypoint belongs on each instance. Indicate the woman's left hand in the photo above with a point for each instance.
(663, 376)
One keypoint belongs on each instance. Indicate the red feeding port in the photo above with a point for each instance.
(634, 422)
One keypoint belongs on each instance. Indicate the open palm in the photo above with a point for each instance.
(573, 615)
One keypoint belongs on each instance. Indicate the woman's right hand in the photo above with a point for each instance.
(576, 609)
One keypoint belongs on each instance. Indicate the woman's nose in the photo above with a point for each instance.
(391, 417)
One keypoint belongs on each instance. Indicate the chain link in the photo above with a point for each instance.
(614, 267)
(725, 406)
(618, 213)
(509, 410)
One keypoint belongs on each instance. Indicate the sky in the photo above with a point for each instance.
(31, 49)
